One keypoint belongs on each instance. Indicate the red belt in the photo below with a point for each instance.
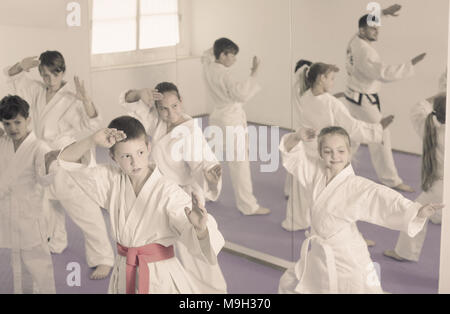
(140, 256)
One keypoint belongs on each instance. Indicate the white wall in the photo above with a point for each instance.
(29, 27)
(323, 28)
(259, 27)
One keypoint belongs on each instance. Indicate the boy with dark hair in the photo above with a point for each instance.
(149, 213)
(228, 98)
(59, 117)
(23, 173)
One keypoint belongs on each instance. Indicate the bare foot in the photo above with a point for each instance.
(370, 242)
(260, 211)
(404, 188)
(392, 254)
(101, 272)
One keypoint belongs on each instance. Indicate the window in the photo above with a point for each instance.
(136, 31)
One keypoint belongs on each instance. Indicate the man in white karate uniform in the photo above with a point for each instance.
(228, 96)
(59, 117)
(366, 72)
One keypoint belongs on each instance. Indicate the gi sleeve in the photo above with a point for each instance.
(148, 116)
(96, 181)
(370, 65)
(297, 163)
(383, 206)
(205, 249)
(358, 130)
(22, 85)
(240, 91)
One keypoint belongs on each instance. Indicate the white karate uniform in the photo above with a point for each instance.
(183, 155)
(411, 247)
(366, 72)
(228, 97)
(318, 112)
(155, 215)
(22, 221)
(339, 261)
(59, 123)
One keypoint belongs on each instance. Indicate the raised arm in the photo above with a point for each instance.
(82, 95)
(189, 221)
(139, 103)
(243, 91)
(294, 157)
(104, 138)
(24, 65)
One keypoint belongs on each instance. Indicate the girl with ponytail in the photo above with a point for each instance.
(429, 121)
(316, 108)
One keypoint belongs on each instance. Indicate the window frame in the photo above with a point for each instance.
(140, 57)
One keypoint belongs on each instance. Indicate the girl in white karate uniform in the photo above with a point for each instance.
(59, 116)
(429, 122)
(193, 167)
(315, 108)
(339, 261)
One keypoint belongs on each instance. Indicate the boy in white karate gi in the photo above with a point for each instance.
(228, 98)
(59, 116)
(149, 213)
(365, 73)
(22, 221)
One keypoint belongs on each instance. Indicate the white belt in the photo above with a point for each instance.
(300, 268)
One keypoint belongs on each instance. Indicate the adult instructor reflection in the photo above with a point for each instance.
(366, 72)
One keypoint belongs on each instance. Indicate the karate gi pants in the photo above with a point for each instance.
(240, 173)
(85, 213)
(33, 270)
(410, 248)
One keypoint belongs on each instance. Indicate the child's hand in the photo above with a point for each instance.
(392, 10)
(429, 210)
(29, 63)
(198, 217)
(49, 158)
(213, 175)
(306, 134)
(149, 95)
(386, 121)
(255, 65)
(80, 90)
(108, 137)
(2, 132)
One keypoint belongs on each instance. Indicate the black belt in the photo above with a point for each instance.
(375, 101)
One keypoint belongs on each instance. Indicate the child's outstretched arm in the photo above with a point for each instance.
(104, 138)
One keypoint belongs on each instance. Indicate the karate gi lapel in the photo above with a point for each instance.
(330, 189)
(141, 205)
(55, 109)
(20, 160)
